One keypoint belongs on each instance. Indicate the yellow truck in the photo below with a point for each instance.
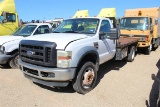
(81, 13)
(142, 23)
(109, 13)
(8, 17)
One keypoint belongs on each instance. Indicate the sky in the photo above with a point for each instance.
(49, 9)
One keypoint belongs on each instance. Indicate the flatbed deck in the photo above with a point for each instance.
(123, 42)
(126, 48)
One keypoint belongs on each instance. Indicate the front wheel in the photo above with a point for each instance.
(14, 61)
(86, 78)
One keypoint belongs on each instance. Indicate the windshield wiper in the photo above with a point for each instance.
(56, 32)
(86, 33)
(127, 29)
(70, 32)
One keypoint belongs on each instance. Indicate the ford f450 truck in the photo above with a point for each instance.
(142, 23)
(73, 53)
(9, 44)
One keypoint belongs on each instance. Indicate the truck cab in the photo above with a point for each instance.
(9, 44)
(8, 17)
(142, 24)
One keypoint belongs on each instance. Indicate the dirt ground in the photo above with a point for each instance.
(119, 84)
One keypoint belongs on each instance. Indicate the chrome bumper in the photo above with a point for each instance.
(4, 58)
(47, 74)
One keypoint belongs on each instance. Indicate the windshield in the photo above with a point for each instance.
(134, 23)
(82, 25)
(25, 30)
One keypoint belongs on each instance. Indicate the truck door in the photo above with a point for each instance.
(11, 25)
(107, 47)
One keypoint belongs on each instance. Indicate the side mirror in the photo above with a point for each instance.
(156, 21)
(4, 17)
(54, 26)
(114, 33)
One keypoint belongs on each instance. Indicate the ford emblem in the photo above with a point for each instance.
(30, 53)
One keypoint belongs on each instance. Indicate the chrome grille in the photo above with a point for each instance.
(38, 52)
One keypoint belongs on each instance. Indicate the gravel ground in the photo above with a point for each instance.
(119, 84)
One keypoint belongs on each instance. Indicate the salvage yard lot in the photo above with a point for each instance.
(119, 84)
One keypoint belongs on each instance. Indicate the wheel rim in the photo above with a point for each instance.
(133, 54)
(150, 47)
(88, 78)
(16, 60)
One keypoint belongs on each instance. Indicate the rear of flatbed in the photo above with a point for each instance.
(126, 48)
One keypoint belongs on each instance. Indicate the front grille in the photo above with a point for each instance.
(142, 38)
(31, 71)
(38, 52)
(48, 55)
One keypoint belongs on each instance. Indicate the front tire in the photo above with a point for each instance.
(86, 78)
(154, 47)
(14, 61)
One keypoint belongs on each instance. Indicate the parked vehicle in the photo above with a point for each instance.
(142, 23)
(81, 13)
(9, 44)
(54, 23)
(109, 13)
(73, 53)
(8, 17)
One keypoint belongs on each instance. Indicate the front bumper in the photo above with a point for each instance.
(36, 73)
(143, 44)
(4, 58)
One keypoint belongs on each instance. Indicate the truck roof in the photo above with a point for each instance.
(8, 6)
(37, 24)
(107, 12)
(101, 18)
(149, 12)
(81, 13)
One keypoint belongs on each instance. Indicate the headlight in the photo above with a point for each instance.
(2, 49)
(64, 59)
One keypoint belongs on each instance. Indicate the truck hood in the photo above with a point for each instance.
(5, 39)
(61, 39)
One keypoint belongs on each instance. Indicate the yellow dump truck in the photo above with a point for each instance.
(81, 13)
(8, 17)
(143, 23)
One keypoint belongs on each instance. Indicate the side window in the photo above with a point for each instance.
(11, 17)
(105, 26)
(42, 29)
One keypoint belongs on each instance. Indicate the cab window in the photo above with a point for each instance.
(105, 26)
(42, 29)
(11, 17)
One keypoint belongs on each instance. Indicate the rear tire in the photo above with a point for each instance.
(131, 54)
(14, 61)
(86, 78)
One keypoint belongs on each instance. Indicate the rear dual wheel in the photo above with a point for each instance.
(131, 54)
